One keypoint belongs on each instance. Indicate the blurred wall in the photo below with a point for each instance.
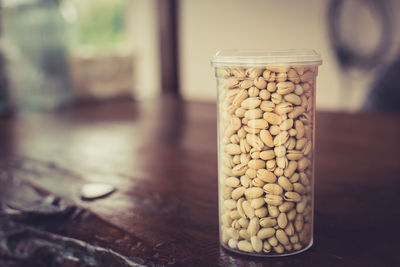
(143, 32)
(207, 26)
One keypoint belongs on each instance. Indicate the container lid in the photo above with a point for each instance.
(265, 57)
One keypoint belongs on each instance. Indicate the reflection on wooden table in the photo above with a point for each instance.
(161, 156)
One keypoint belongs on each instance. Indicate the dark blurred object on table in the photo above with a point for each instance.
(385, 93)
(365, 53)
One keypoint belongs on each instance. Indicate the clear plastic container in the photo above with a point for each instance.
(266, 129)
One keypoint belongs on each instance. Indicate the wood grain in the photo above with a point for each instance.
(161, 156)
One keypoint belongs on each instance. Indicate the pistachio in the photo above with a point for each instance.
(276, 99)
(258, 124)
(273, 241)
(278, 171)
(256, 164)
(254, 153)
(244, 146)
(253, 227)
(293, 98)
(266, 138)
(291, 168)
(279, 249)
(286, 206)
(294, 155)
(273, 211)
(261, 212)
(298, 90)
(273, 200)
(266, 247)
(293, 76)
(230, 204)
(284, 88)
(301, 143)
(253, 73)
(307, 148)
(243, 234)
(267, 106)
(245, 181)
(254, 91)
(264, 94)
(256, 243)
(286, 124)
(295, 177)
(239, 169)
(299, 222)
(278, 69)
(282, 237)
(289, 230)
(307, 76)
(251, 173)
(257, 203)
(252, 114)
(300, 129)
(271, 165)
(251, 103)
(238, 192)
(271, 87)
(257, 182)
(238, 73)
(284, 108)
(303, 164)
(294, 239)
(282, 162)
(281, 77)
(246, 84)
(267, 154)
(260, 83)
(245, 246)
(280, 151)
(295, 112)
(281, 138)
(285, 183)
(266, 74)
(245, 158)
(265, 233)
(232, 181)
(223, 72)
(268, 222)
(273, 189)
(232, 243)
(248, 210)
(272, 118)
(253, 192)
(239, 207)
(234, 139)
(266, 176)
(282, 220)
(255, 141)
(299, 188)
(292, 196)
(291, 215)
(251, 130)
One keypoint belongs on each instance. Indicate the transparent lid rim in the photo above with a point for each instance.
(259, 57)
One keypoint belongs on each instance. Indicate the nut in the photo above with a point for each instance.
(266, 131)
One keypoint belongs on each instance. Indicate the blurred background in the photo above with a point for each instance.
(57, 53)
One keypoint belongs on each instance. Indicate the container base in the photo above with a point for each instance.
(272, 254)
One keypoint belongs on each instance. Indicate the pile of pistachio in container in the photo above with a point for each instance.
(266, 131)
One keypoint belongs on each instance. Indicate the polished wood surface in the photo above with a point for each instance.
(162, 158)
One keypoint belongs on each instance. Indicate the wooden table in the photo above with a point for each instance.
(162, 158)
